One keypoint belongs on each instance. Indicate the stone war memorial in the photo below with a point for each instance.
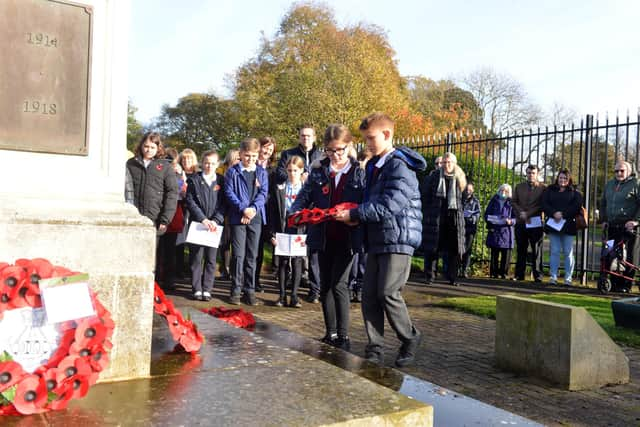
(63, 100)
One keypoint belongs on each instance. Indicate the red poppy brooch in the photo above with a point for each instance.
(45, 364)
(159, 166)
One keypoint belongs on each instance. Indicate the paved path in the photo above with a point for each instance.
(457, 353)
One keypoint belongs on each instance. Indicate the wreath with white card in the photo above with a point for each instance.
(49, 354)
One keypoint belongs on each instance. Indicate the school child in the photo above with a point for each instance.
(283, 197)
(337, 179)
(245, 187)
(205, 203)
(392, 215)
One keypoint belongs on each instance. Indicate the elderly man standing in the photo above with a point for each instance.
(307, 150)
(620, 210)
(527, 203)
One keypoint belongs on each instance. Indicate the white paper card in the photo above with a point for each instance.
(27, 337)
(67, 302)
(199, 234)
(534, 222)
(556, 225)
(469, 214)
(291, 244)
(610, 244)
(496, 219)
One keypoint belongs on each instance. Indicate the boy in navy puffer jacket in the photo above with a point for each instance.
(392, 215)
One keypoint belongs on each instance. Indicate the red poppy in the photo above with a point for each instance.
(10, 373)
(62, 351)
(36, 268)
(61, 272)
(31, 395)
(159, 166)
(325, 189)
(90, 332)
(3, 265)
(216, 187)
(74, 365)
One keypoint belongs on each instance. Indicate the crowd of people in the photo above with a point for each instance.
(363, 254)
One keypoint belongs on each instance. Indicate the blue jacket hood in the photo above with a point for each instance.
(413, 159)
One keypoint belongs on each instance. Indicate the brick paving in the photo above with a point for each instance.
(457, 353)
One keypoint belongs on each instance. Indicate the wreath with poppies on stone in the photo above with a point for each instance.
(73, 367)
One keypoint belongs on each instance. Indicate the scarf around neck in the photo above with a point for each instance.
(452, 201)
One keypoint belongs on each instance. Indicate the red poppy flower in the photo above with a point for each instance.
(10, 373)
(90, 332)
(325, 189)
(3, 265)
(62, 351)
(61, 272)
(216, 187)
(36, 268)
(74, 365)
(159, 166)
(31, 395)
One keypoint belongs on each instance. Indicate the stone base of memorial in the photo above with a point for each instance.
(111, 242)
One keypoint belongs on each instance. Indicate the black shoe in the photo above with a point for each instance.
(250, 299)
(538, 280)
(259, 288)
(234, 300)
(407, 353)
(516, 278)
(313, 299)
(343, 343)
(374, 357)
(295, 304)
(454, 284)
(330, 339)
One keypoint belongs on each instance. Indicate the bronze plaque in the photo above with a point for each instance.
(45, 76)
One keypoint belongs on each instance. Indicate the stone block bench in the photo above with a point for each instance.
(557, 342)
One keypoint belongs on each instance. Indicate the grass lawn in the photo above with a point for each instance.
(599, 308)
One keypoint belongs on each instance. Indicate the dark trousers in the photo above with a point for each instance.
(314, 274)
(499, 265)
(180, 260)
(384, 278)
(244, 248)
(166, 260)
(224, 249)
(202, 282)
(468, 249)
(335, 265)
(526, 237)
(264, 232)
(284, 264)
(357, 271)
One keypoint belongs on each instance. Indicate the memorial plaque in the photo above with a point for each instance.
(45, 76)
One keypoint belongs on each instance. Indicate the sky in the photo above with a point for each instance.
(582, 54)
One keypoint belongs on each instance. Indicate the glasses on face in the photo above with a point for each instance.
(339, 150)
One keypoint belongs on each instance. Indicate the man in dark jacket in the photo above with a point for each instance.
(309, 153)
(392, 215)
(306, 149)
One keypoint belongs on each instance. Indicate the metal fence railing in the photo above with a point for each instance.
(589, 150)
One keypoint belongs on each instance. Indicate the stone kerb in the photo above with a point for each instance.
(557, 342)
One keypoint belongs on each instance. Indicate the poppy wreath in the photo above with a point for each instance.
(234, 316)
(183, 331)
(317, 215)
(76, 363)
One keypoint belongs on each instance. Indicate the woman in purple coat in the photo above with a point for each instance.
(500, 219)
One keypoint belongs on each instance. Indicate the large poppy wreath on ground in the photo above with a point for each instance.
(72, 367)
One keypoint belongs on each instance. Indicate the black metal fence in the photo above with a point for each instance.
(588, 150)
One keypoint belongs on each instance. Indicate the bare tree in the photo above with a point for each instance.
(505, 104)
